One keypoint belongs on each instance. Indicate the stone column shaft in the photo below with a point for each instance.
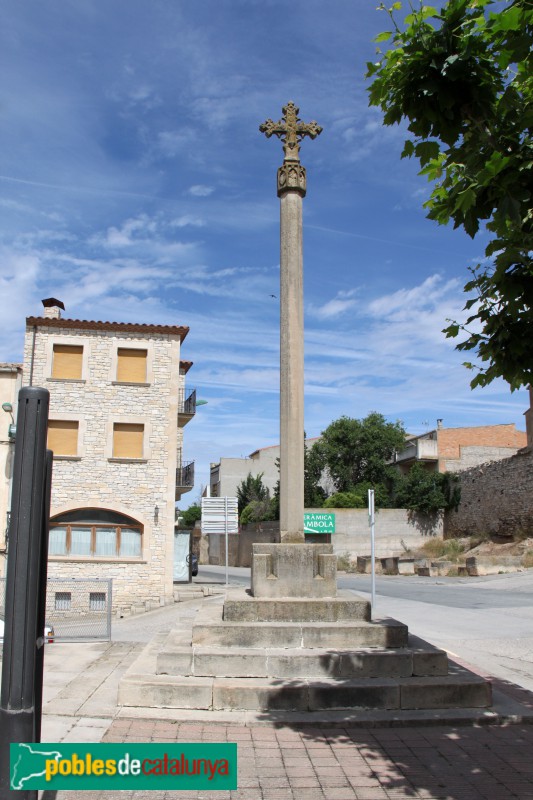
(291, 369)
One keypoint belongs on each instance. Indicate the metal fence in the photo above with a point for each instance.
(78, 610)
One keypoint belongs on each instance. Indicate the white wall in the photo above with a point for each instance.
(396, 530)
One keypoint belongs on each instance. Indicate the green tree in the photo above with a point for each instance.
(462, 77)
(251, 488)
(427, 492)
(314, 494)
(190, 516)
(357, 451)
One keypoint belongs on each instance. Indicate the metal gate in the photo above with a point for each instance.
(78, 610)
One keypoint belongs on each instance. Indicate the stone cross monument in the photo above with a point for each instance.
(291, 189)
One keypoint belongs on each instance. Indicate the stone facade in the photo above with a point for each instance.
(10, 383)
(143, 489)
(496, 499)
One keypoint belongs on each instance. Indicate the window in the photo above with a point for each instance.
(131, 365)
(67, 362)
(95, 533)
(127, 440)
(63, 601)
(63, 437)
(97, 601)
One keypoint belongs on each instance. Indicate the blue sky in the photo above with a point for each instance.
(135, 186)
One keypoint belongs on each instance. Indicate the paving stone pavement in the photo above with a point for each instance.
(311, 763)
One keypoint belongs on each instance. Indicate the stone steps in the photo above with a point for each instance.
(264, 654)
(460, 689)
(242, 607)
(301, 662)
(384, 633)
(211, 629)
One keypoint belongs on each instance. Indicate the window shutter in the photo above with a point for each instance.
(63, 437)
(131, 365)
(127, 440)
(67, 361)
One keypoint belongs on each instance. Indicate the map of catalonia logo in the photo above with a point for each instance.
(178, 766)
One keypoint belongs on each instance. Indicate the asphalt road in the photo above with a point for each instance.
(487, 622)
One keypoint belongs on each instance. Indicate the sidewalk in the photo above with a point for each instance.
(283, 759)
(283, 763)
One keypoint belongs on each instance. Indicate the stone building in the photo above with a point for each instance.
(117, 410)
(10, 383)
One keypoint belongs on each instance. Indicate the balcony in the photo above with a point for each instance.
(186, 407)
(422, 449)
(184, 478)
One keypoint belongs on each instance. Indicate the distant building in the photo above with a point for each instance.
(456, 449)
(10, 383)
(118, 406)
(228, 473)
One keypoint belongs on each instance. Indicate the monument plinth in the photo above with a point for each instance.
(294, 570)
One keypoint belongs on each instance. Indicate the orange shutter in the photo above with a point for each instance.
(67, 361)
(131, 365)
(127, 440)
(63, 437)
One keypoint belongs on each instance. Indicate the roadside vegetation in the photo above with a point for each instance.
(351, 457)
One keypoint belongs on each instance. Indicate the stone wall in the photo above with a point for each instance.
(496, 499)
(475, 455)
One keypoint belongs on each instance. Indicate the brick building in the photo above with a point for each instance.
(117, 410)
(456, 449)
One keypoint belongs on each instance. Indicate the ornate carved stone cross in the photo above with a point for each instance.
(291, 130)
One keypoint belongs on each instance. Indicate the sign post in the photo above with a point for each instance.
(371, 522)
(220, 515)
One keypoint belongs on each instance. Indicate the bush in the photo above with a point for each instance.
(345, 500)
(257, 511)
(450, 549)
(188, 517)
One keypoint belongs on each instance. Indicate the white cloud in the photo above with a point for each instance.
(188, 220)
(199, 190)
(340, 304)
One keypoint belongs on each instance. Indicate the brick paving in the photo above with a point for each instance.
(313, 763)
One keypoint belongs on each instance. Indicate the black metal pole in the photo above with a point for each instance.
(41, 610)
(24, 574)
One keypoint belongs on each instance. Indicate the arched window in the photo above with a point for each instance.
(95, 533)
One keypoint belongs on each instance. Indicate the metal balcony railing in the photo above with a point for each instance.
(185, 475)
(187, 405)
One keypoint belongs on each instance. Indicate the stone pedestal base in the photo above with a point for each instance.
(294, 570)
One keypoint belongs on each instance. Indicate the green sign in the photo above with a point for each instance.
(319, 523)
(166, 766)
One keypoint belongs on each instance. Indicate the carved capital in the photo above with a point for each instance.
(291, 177)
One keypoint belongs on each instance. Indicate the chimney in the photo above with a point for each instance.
(439, 424)
(52, 308)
